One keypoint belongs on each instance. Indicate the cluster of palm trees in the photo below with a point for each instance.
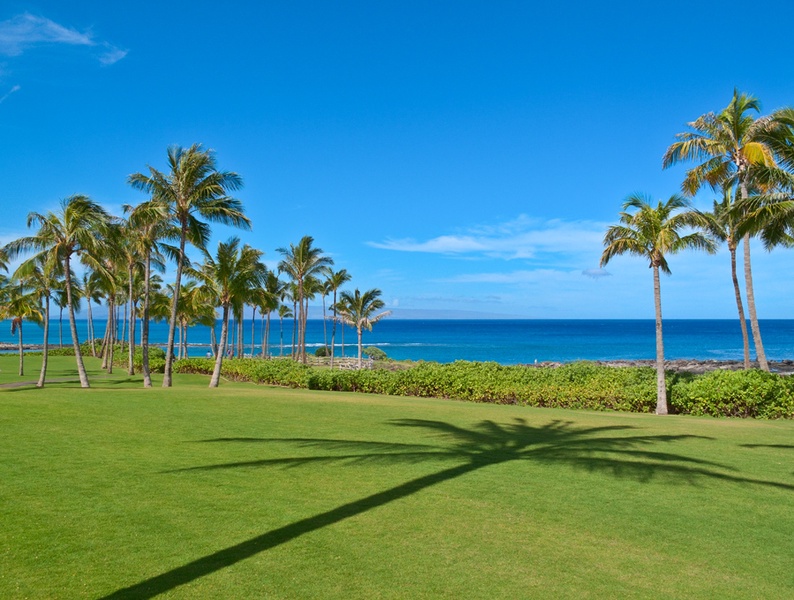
(749, 161)
(123, 258)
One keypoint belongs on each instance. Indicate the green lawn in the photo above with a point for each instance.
(256, 492)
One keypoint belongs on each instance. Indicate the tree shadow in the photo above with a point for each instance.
(609, 449)
(780, 446)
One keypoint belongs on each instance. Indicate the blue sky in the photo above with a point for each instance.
(464, 157)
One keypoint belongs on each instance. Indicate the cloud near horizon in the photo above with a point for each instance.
(26, 31)
(522, 238)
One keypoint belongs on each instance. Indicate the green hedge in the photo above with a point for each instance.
(735, 394)
(577, 385)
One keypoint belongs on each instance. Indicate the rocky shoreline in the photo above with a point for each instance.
(783, 367)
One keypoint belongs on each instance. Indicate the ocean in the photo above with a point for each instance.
(502, 341)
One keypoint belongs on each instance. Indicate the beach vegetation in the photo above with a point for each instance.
(76, 229)
(230, 276)
(304, 263)
(732, 149)
(193, 189)
(358, 310)
(653, 233)
(375, 353)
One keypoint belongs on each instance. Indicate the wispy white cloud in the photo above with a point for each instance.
(522, 238)
(25, 31)
(596, 273)
(112, 54)
(14, 89)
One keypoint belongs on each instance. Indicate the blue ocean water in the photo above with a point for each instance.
(503, 341)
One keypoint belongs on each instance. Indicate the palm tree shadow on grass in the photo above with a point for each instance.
(607, 449)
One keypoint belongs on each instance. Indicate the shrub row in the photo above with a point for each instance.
(577, 385)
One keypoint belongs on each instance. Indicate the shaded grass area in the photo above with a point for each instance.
(249, 491)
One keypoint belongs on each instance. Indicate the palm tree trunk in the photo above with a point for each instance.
(281, 333)
(253, 320)
(60, 329)
(147, 376)
(740, 307)
(91, 328)
(266, 341)
(748, 282)
(123, 326)
(360, 346)
(46, 347)
(661, 387)
(333, 333)
(216, 373)
(213, 341)
(342, 329)
(294, 327)
(131, 354)
(240, 335)
(325, 328)
(169, 351)
(78, 355)
(21, 351)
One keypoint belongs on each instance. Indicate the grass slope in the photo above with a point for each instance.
(250, 491)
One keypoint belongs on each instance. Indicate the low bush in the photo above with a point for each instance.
(735, 394)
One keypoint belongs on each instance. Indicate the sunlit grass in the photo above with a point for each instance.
(249, 491)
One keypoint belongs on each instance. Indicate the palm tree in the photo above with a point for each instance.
(723, 224)
(336, 279)
(41, 281)
(78, 227)
(20, 304)
(231, 274)
(301, 261)
(732, 145)
(150, 223)
(359, 312)
(268, 302)
(193, 189)
(652, 233)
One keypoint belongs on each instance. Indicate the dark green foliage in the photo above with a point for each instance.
(736, 394)
(322, 351)
(375, 353)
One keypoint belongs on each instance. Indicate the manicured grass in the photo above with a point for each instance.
(249, 491)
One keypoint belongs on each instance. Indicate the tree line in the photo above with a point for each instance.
(748, 161)
(124, 256)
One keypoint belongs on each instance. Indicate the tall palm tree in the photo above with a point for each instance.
(652, 233)
(359, 312)
(732, 146)
(78, 227)
(41, 281)
(723, 223)
(231, 274)
(268, 302)
(152, 229)
(300, 261)
(336, 279)
(194, 189)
